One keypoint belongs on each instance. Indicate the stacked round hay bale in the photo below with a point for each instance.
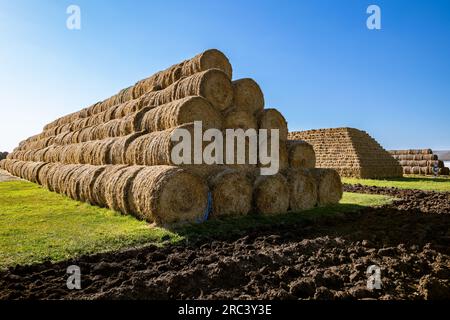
(161, 194)
(419, 162)
(124, 152)
(231, 193)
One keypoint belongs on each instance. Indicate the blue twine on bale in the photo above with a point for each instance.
(207, 210)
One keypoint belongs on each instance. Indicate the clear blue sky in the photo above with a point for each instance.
(315, 60)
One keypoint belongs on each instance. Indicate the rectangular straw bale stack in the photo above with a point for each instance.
(419, 162)
(353, 153)
(117, 153)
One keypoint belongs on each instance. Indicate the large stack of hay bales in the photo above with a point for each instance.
(352, 152)
(419, 161)
(117, 152)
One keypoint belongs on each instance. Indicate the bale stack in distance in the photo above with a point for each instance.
(352, 152)
(118, 153)
(3, 155)
(420, 162)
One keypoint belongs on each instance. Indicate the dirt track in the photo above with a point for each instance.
(5, 176)
(327, 259)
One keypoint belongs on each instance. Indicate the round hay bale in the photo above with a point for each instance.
(110, 114)
(248, 96)
(65, 154)
(118, 189)
(273, 119)
(36, 171)
(271, 195)
(19, 155)
(23, 172)
(239, 119)
(101, 151)
(86, 151)
(59, 139)
(16, 168)
(39, 154)
(44, 174)
(302, 189)
(100, 184)
(94, 109)
(329, 186)
(3, 164)
(210, 59)
(83, 113)
(133, 122)
(61, 178)
(301, 154)
(53, 177)
(6, 164)
(87, 181)
(87, 134)
(136, 151)
(120, 111)
(425, 170)
(131, 107)
(415, 170)
(66, 127)
(78, 124)
(13, 155)
(110, 129)
(74, 183)
(154, 148)
(157, 148)
(95, 120)
(168, 195)
(118, 150)
(31, 171)
(283, 156)
(53, 154)
(28, 155)
(214, 85)
(231, 194)
(180, 112)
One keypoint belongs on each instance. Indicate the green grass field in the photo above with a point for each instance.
(407, 182)
(37, 225)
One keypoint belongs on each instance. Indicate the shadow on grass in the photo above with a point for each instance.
(226, 228)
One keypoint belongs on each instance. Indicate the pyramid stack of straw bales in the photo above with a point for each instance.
(352, 152)
(419, 161)
(116, 153)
